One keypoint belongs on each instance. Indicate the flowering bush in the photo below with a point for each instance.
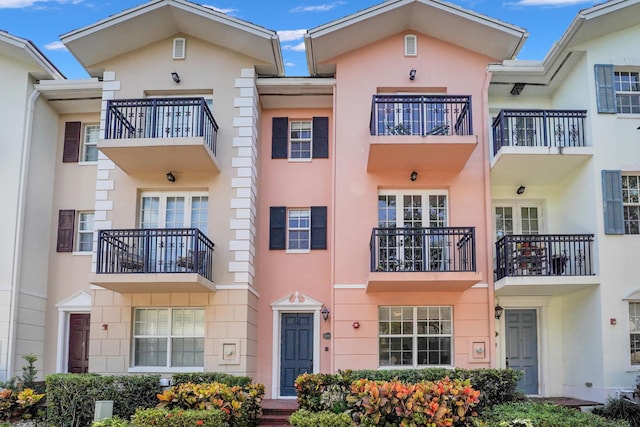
(19, 404)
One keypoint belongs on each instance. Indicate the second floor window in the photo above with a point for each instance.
(627, 87)
(300, 140)
(90, 143)
(631, 203)
(299, 229)
(85, 232)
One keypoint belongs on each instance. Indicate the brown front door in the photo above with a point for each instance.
(78, 343)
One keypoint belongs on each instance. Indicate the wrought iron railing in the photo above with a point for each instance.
(539, 128)
(423, 249)
(545, 255)
(420, 115)
(161, 118)
(170, 250)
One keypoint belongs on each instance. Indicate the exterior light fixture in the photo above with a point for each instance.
(414, 176)
(171, 177)
(325, 313)
(520, 190)
(517, 89)
(498, 311)
(176, 77)
(412, 74)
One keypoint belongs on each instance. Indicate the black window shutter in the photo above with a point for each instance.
(612, 202)
(605, 92)
(280, 138)
(318, 227)
(66, 221)
(277, 227)
(71, 148)
(320, 137)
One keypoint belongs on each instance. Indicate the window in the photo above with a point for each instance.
(415, 336)
(85, 232)
(410, 45)
(631, 203)
(517, 219)
(168, 337)
(90, 143)
(634, 331)
(299, 229)
(617, 90)
(300, 140)
(179, 48)
(627, 87)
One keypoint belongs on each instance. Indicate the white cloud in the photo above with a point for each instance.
(17, 4)
(290, 35)
(58, 45)
(226, 11)
(290, 64)
(557, 3)
(295, 47)
(319, 8)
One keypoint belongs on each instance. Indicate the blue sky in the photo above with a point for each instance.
(43, 21)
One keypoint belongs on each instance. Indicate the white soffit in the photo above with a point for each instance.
(25, 51)
(157, 20)
(441, 20)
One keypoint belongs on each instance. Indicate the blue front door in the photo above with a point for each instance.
(522, 347)
(296, 349)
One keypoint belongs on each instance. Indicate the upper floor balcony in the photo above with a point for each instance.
(160, 134)
(420, 132)
(154, 260)
(422, 259)
(538, 147)
(544, 264)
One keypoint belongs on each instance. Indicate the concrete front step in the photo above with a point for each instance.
(276, 412)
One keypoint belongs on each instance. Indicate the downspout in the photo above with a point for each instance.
(17, 237)
(333, 223)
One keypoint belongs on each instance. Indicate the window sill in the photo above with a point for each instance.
(94, 163)
(88, 253)
(300, 160)
(160, 369)
(298, 251)
(627, 116)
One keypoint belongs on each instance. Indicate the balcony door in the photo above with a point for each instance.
(166, 212)
(411, 114)
(404, 243)
(175, 119)
(517, 218)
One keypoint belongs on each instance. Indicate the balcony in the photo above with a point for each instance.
(544, 264)
(539, 147)
(422, 259)
(154, 260)
(154, 135)
(420, 132)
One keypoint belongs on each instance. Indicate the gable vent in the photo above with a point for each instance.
(410, 45)
(179, 48)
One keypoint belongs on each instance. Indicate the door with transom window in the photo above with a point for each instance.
(169, 214)
(409, 237)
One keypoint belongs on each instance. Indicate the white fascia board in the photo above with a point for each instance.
(32, 53)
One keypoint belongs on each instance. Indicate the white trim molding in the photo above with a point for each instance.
(79, 302)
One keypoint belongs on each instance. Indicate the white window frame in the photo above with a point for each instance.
(175, 51)
(162, 210)
(88, 143)
(631, 94)
(80, 231)
(425, 203)
(633, 317)
(169, 337)
(415, 336)
(627, 204)
(516, 207)
(407, 42)
(300, 140)
(301, 229)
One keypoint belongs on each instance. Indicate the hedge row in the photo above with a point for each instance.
(71, 397)
(210, 377)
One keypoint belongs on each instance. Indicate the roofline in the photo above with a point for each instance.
(36, 54)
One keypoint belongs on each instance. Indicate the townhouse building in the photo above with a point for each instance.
(420, 199)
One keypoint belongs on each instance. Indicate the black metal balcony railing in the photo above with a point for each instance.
(161, 118)
(545, 255)
(539, 128)
(172, 250)
(423, 249)
(421, 115)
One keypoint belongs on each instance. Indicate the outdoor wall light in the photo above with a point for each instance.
(517, 89)
(499, 310)
(176, 77)
(520, 190)
(412, 74)
(171, 177)
(414, 176)
(325, 313)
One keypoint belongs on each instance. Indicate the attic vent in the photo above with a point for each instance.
(410, 45)
(179, 48)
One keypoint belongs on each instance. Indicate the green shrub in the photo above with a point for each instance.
(210, 377)
(26, 404)
(620, 409)
(178, 418)
(111, 422)
(543, 415)
(315, 391)
(304, 418)
(71, 397)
